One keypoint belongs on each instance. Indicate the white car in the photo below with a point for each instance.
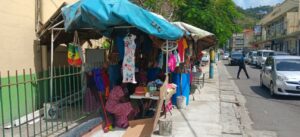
(262, 56)
(225, 56)
(252, 57)
(281, 74)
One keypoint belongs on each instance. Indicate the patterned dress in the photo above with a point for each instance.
(128, 62)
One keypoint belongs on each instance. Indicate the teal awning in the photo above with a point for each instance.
(106, 14)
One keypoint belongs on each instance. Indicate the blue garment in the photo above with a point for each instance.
(121, 48)
(98, 80)
(160, 60)
(114, 72)
(242, 61)
(183, 85)
(153, 73)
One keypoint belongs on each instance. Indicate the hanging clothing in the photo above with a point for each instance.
(153, 73)
(120, 110)
(120, 46)
(160, 60)
(90, 103)
(172, 62)
(105, 82)
(177, 57)
(129, 60)
(114, 73)
(98, 80)
(182, 45)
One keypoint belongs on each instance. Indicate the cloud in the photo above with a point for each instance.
(255, 3)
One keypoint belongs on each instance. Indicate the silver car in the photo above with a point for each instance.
(262, 56)
(253, 57)
(281, 74)
(225, 56)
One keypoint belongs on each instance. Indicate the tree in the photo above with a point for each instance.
(216, 16)
(166, 8)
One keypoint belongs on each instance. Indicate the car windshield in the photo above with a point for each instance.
(266, 54)
(288, 65)
(281, 53)
(236, 55)
(254, 54)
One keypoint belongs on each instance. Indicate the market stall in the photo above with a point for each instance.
(143, 49)
(134, 42)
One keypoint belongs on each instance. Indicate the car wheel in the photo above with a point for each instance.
(272, 89)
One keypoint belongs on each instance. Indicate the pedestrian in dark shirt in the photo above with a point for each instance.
(242, 65)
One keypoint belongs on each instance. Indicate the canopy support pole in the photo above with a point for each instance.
(167, 60)
(51, 67)
(167, 54)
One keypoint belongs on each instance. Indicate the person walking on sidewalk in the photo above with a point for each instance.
(242, 65)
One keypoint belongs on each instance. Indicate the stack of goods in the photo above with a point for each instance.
(140, 91)
(153, 86)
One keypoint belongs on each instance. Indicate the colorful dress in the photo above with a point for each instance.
(129, 60)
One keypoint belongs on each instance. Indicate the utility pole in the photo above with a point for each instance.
(211, 64)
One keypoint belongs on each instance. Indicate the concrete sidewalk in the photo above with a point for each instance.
(215, 112)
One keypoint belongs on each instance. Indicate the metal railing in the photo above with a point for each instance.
(26, 108)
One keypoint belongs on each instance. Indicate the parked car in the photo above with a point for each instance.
(253, 57)
(277, 53)
(281, 74)
(225, 56)
(235, 58)
(247, 58)
(262, 56)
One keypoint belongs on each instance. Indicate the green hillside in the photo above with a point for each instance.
(252, 15)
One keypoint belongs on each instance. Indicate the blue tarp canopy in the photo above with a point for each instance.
(105, 14)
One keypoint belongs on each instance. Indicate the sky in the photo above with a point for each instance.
(255, 3)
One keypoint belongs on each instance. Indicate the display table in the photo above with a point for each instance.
(143, 97)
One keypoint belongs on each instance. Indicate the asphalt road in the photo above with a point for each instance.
(279, 114)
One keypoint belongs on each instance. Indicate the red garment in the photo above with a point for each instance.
(106, 84)
(120, 110)
(182, 45)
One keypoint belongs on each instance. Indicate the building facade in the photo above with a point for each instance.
(19, 23)
(21, 51)
(241, 41)
(280, 30)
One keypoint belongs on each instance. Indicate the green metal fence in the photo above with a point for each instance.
(26, 108)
